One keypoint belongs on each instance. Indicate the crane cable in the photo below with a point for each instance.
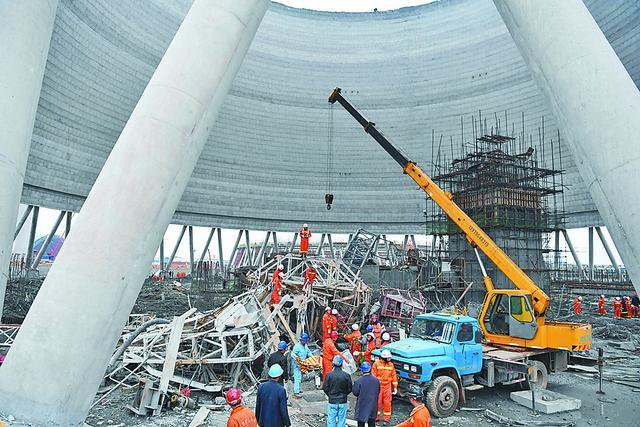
(328, 197)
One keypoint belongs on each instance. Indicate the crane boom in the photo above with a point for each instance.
(444, 199)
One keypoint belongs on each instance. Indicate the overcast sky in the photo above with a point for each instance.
(352, 5)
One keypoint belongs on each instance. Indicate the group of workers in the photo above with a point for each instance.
(622, 306)
(374, 391)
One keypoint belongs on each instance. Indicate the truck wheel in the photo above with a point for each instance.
(542, 375)
(442, 396)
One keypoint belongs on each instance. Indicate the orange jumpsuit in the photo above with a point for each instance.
(617, 309)
(601, 304)
(354, 340)
(577, 306)
(334, 322)
(385, 372)
(242, 417)
(326, 326)
(275, 294)
(419, 417)
(309, 277)
(377, 332)
(304, 240)
(627, 304)
(329, 351)
(371, 345)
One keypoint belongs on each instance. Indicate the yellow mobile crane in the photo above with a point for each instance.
(513, 317)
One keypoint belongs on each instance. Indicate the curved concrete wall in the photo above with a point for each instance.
(264, 167)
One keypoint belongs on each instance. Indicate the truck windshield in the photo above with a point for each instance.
(431, 329)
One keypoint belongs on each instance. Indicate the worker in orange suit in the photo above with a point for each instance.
(327, 326)
(305, 234)
(577, 305)
(369, 347)
(420, 416)
(310, 275)
(617, 308)
(385, 372)
(354, 338)
(627, 306)
(601, 306)
(377, 332)
(277, 286)
(329, 351)
(334, 320)
(240, 415)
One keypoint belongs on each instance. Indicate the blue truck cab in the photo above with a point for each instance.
(441, 355)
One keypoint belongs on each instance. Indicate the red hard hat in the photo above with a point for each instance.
(233, 396)
(334, 335)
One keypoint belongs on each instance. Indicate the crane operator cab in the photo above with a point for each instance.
(509, 313)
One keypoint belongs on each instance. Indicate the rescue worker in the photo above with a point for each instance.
(385, 372)
(334, 320)
(301, 350)
(617, 308)
(627, 306)
(277, 286)
(337, 386)
(385, 339)
(601, 305)
(420, 416)
(310, 275)
(577, 306)
(366, 389)
(635, 305)
(327, 326)
(377, 332)
(354, 338)
(305, 234)
(271, 402)
(358, 354)
(279, 357)
(371, 345)
(329, 351)
(240, 415)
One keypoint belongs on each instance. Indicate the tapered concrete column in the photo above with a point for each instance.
(596, 103)
(25, 33)
(59, 356)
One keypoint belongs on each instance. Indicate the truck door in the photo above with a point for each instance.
(522, 324)
(468, 352)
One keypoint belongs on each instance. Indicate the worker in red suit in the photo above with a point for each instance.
(617, 308)
(327, 326)
(369, 347)
(305, 234)
(310, 275)
(627, 306)
(601, 305)
(329, 351)
(577, 305)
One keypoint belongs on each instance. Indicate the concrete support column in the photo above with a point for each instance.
(608, 250)
(176, 247)
(556, 250)
(55, 367)
(32, 236)
(25, 33)
(191, 263)
(162, 255)
(234, 250)
(248, 255)
(47, 241)
(23, 219)
(67, 228)
(573, 253)
(206, 245)
(596, 103)
(274, 250)
(220, 255)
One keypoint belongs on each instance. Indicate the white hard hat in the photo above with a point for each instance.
(280, 267)
(601, 296)
(618, 298)
(334, 311)
(327, 309)
(355, 326)
(281, 274)
(580, 298)
(386, 336)
(386, 354)
(304, 226)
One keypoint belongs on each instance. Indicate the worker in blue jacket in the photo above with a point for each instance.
(271, 403)
(301, 350)
(366, 389)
